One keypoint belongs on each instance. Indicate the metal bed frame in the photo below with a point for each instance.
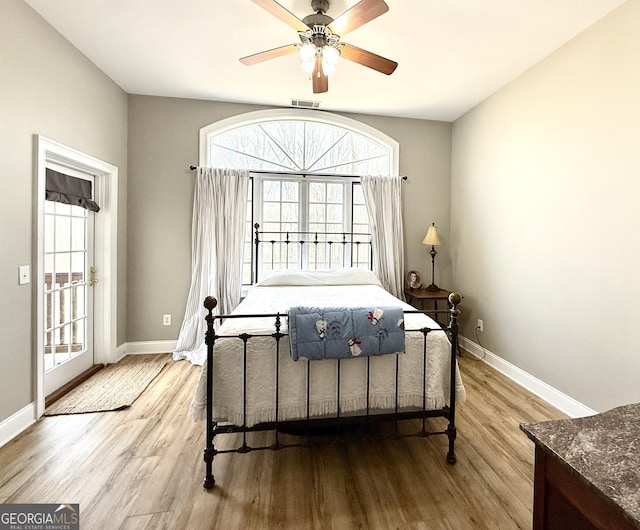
(339, 424)
(289, 243)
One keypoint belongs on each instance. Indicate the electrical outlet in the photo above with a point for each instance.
(480, 325)
(166, 320)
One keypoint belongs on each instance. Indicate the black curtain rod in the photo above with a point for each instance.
(266, 172)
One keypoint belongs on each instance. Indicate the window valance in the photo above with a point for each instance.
(70, 190)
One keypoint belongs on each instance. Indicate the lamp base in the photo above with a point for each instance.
(433, 287)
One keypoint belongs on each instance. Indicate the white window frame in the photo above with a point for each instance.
(326, 118)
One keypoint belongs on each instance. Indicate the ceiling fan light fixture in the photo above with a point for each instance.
(307, 53)
(308, 66)
(327, 67)
(331, 55)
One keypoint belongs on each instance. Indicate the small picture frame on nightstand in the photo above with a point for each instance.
(413, 280)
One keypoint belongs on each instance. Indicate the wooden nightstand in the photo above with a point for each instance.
(426, 300)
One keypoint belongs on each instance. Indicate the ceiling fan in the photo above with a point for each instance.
(320, 45)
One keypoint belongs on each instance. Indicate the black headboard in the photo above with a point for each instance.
(310, 250)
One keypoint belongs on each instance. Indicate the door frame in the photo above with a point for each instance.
(105, 299)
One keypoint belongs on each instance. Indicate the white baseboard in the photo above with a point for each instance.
(150, 346)
(554, 397)
(18, 422)
(121, 351)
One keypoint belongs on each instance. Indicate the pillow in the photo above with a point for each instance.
(346, 276)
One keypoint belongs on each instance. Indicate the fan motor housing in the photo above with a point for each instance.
(317, 19)
(320, 6)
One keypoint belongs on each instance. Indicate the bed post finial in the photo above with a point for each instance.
(210, 303)
(454, 300)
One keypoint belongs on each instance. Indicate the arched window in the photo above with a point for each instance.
(298, 142)
(306, 167)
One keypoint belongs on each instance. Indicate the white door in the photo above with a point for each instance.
(69, 276)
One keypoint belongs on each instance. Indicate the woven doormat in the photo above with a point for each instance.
(113, 388)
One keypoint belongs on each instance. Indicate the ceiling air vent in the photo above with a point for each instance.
(305, 103)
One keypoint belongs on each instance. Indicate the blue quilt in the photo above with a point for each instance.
(345, 332)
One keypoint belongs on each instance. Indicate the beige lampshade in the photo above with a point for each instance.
(432, 236)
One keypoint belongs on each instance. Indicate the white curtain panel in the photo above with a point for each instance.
(383, 197)
(217, 243)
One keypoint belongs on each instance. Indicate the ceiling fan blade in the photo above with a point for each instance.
(282, 13)
(256, 58)
(368, 59)
(320, 81)
(358, 15)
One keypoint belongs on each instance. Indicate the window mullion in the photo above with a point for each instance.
(304, 217)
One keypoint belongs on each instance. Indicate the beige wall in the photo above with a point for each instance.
(545, 191)
(46, 88)
(163, 142)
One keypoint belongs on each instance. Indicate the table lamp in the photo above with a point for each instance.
(432, 239)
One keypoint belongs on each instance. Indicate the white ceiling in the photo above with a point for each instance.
(452, 54)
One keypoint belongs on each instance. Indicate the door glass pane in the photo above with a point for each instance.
(77, 233)
(80, 307)
(65, 332)
(49, 231)
(77, 266)
(62, 209)
(62, 267)
(63, 346)
(63, 233)
(48, 353)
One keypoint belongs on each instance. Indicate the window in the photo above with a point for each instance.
(305, 168)
(304, 208)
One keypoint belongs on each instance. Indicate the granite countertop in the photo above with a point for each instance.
(604, 449)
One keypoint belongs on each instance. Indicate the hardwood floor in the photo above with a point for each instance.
(142, 468)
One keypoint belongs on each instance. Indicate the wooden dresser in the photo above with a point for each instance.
(587, 471)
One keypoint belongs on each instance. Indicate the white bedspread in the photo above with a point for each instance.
(261, 396)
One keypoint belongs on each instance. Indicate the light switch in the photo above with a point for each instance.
(24, 275)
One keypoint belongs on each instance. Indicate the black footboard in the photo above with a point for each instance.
(339, 426)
